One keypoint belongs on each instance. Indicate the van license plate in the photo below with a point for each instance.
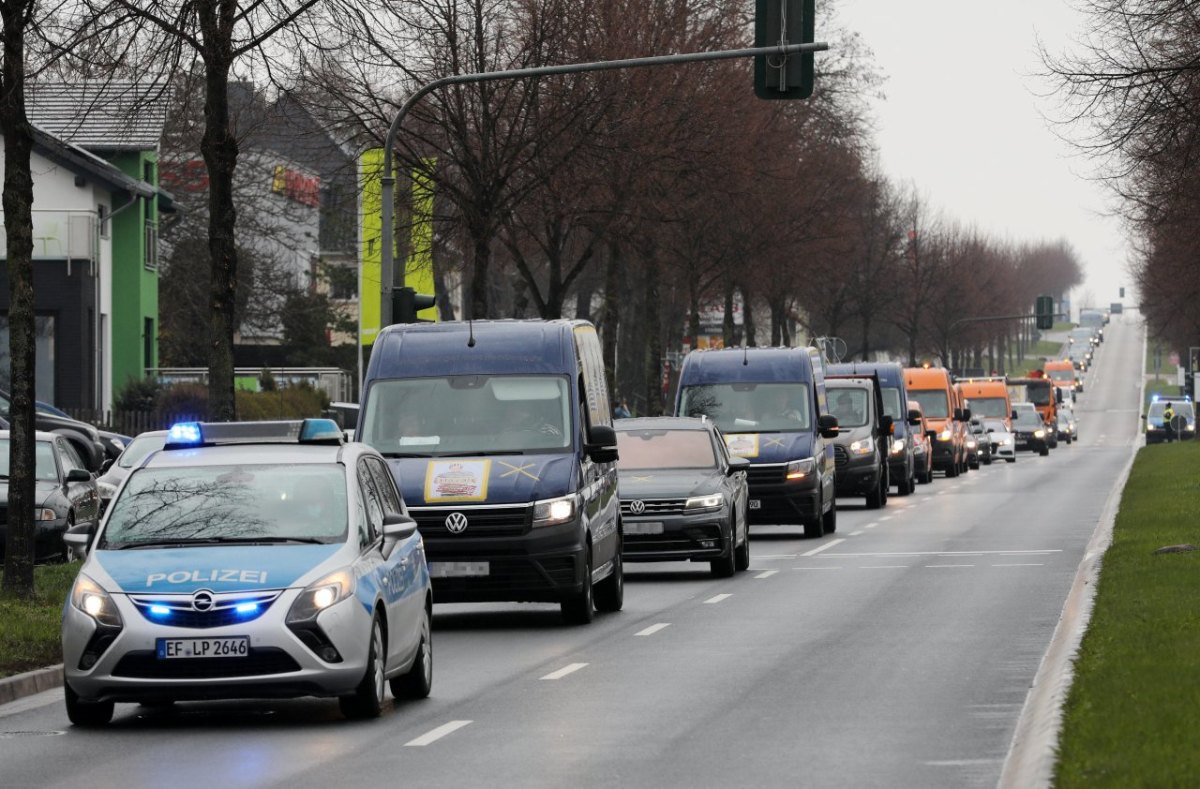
(459, 569)
(170, 648)
(755, 504)
(642, 528)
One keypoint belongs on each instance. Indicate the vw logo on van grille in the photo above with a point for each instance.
(456, 522)
(202, 600)
(637, 507)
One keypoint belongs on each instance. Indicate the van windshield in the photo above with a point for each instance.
(468, 415)
(751, 408)
(933, 402)
(989, 406)
(848, 405)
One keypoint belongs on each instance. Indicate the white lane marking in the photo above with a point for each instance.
(871, 525)
(856, 533)
(768, 557)
(885, 518)
(767, 574)
(941, 493)
(1034, 564)
(824, 547)
(816, 568)
(948, 565)
(564, 671)
(436, 734)
(717, 598)
(884, 567)
(949, 553)
(654, 628)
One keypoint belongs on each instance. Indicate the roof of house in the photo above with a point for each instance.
(84, 163)
(100, 115)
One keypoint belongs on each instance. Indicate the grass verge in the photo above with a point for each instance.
(1134, 708)
(30, 629)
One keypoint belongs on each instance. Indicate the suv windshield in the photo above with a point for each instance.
(469, 415)
(641, 449)
(1027, 419)
(230, 504)
(751, 408)
(933, 402)
(848, 405)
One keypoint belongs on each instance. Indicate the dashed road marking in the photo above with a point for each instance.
(824, 547)
(436, 734)
(769, 557)
(856, 533)
(767, 574)
(816, 568)
(931, 566)
(717, 598)
(1033, 564)
(947, 553)
(655, 628)
(885, 518)
(564, 671)
(884, 567)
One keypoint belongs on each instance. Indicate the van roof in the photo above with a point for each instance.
(927, 377)
(891, 374)
(747, 365)
(500, 347)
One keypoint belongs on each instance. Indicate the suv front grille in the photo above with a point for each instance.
(654, 507)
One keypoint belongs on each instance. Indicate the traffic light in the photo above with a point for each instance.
(1045, 312)
(406, 303)
(783, 22)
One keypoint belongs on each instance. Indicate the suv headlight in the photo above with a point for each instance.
(710, 502)
(88, 597)
(945, 435)
(898, 446)
(553, 511)
(1039, 434)
(863, 446)
(799, 470)
(972, 443)
(319, 595)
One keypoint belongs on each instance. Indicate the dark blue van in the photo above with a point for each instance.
(770, 405)
(500, 436)
(901, 460)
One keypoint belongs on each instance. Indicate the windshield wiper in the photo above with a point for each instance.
(276, 540)
(406, 454)
(167, 543)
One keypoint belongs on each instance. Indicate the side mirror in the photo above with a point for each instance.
(966, 414)
(827, 425)
(931, 435)
(887, 425)
(106, 465)
(78, 539)
(914, 418)
(737, 464)
(1013, 415)
(398, 527)
(79, 475)
(991, 430)
(1058, 396)
(958, 415)
(601, 444)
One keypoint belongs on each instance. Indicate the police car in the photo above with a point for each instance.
(250, 560)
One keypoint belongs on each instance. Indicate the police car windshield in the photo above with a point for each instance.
(750, 408)
(207, 504)
(469, 415)
(657, 449)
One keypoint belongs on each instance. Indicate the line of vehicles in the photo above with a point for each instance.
(278, 559)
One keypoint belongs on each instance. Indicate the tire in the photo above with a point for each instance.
(610, 593)
(726, 566)
(1044, 451)
(86, 714)
(952, 470)
(367, 699)
(742, 554)
(417, 682)
(579, 608)
(815, 527)
(1010, 460)
(877, 497)
(829, 520)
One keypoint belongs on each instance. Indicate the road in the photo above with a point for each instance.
(897, 652)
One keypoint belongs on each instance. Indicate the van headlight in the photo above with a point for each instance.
(319, 595)
(863, 446)
(898, 446)
(710, 502)
(88, 597)
(799, 470)
(945, 435)
(551, 512)
(971, 443)
(1039, 434)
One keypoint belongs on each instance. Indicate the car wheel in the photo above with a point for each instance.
(742, 556)
(877, 498)
(610, 593)
(367, 699)
(86, 713)
(725, 566)
(1010, 460)
(814, 528)
(1044, 451)
(579, 608)
(418, 681)
(952, 470)
(829, 520)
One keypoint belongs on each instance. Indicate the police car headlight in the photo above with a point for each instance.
(107, 490)
(864, 446)
(88, 597)
(799, 470)
(945, 435)
(319, 595)
(704, 502)
(1191, 426)
(897, 446)
(553, 511)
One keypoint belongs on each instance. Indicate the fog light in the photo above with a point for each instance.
(88, 660)
(708, 543)
(329, 655)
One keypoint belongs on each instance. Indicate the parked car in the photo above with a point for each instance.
(683, 496)
(82, 436)
(923, 446)
(115, 474)
(65, 494)
(1002, 441)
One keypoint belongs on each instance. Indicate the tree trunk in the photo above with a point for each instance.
(727, 326)
(694, 312)
(481, 244)
(865, 349)
(611, 325)
(220, 151)
(776, 323)
(653, 335)
(18, 227)
(912, 349)
(748, 318)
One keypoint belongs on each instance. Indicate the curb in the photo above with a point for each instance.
(29, 683)
(1033, 752)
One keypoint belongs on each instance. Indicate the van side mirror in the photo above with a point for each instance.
(914, 417)
(887, 425)
(601, 444)
(958, 415)
(827, 425)
(1058, 396)
(79, 539)
(1013, 415)
(966, 414)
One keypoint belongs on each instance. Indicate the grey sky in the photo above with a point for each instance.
(962, 121)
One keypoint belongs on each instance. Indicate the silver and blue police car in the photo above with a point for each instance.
(250, 560)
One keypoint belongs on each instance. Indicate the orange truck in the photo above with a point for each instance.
(944, 412)
(988, 399)
(1040, 390)
(1062, 373)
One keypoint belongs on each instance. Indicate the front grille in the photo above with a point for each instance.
(511, 574)
(654, 507)
(483, 521)
(260, 662)
(685, 540)
(766, 475)
(840, 456)
(179, 611)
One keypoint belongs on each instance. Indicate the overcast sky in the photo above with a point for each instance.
(963, 122)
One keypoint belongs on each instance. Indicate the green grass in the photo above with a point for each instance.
(1134, 709)
(1167, 369)
(1063, 326)
(30, 629)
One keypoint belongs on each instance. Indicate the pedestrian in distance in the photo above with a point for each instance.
(1168, 418)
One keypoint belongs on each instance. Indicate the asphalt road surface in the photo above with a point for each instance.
(897, 652)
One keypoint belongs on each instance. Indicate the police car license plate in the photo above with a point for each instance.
(755, 504)
(236, 646)
(642, 528)
(459, 569)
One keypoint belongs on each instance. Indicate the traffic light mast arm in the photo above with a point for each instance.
(387, 279)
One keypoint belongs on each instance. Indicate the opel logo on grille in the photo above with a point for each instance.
(456, 522)
(202, 600)
(637, 507)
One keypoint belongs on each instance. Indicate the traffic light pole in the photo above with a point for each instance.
(388, 277)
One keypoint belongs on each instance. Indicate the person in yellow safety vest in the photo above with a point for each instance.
(1168, 417)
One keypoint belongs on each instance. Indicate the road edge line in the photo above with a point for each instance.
(30, 683)
(1033, 750)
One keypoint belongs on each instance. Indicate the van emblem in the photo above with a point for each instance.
(637, 507)
(456, 522)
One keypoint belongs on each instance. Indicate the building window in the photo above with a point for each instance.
(102, 219)
(151, 246)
